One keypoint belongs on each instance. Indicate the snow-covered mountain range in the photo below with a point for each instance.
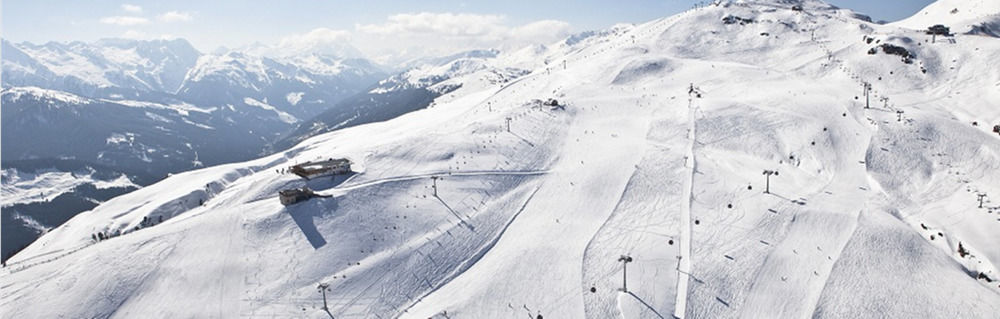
(99, 69)
(657, 156)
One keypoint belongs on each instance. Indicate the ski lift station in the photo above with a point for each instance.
(310, 170)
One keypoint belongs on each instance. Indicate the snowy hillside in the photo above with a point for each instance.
(957, 14)
(411, 90)
(495, 203)
(42, 194)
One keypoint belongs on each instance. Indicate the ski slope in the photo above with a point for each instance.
(957, 14)
(532, 220)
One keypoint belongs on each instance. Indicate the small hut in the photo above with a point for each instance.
(333, 166)
(295, 195)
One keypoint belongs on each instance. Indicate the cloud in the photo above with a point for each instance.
(175, 16)
(462, 24)
(131, 8)
(410, 35)
(133, 34)
(543, 31)
(124, 20)
(319, 40)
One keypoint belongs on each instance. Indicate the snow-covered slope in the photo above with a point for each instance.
(413, 89)
(960, 15)
(39, 195)
(656, 154)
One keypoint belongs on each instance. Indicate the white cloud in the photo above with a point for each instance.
(131, 8)
(544, 31)
(133, 34)
(462, 24)
(124, 20)
(409, 35)
(319, 40)
(175, 16)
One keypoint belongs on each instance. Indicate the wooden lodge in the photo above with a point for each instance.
(333, 166)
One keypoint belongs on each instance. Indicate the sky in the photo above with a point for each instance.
(381, 30)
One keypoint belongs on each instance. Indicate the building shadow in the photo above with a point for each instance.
(328, 182)
(304, 215)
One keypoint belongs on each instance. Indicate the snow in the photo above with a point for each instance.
(438, 73)
(31, 223)
(317, 64)
(527, 221)
(182, 108)
(235, 66)
(65, 62)
(45, 185)
(957, 14)
(251, 69)
(82, 67)
(283, 116)
(35, 93)
(293, 98)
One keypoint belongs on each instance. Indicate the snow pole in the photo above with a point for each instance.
(322, 288)
(625, 260)
(981, 196)
(435, 186)
(767, 178)
(868, 88)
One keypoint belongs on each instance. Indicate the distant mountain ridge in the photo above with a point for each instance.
(208, 101)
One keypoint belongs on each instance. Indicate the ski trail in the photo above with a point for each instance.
(465, 265)
(229, 286)
(684, 261)
(442, 173)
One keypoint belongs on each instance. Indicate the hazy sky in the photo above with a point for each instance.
(377, 28)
